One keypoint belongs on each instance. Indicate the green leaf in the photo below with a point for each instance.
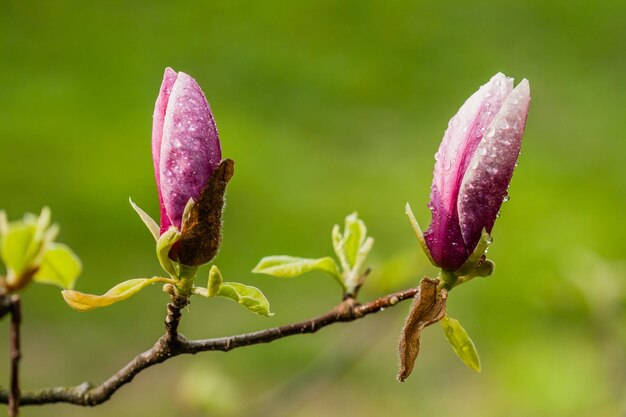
(461, 342)
(362, 253)
(59, 266)
(84, 302)
(290, 266)
(485, 268)
(14, 247)
(41, 223)
(250, 297)
(480, 249)
(419, 234)
(353, 237)
(338, 247)
(152, 226)
(163, 247)
(187, 211)
(44, 235)
(353, 278)
(215, 281)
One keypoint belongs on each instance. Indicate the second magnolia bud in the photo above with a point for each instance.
(473, 168)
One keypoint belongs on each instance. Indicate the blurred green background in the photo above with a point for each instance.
(326, 107)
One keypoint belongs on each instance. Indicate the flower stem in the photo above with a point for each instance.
(187, 275)
(448, 279)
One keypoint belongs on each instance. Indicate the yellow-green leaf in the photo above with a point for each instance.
(152, 226)
(461, 342)
(164, 245)
(337, 239)
(85, 302)
(481, 247)
(14, 246)
(353, 237)
(419, 234)
(59, 266)
(215, 281)
(250, 297)
(290, 266)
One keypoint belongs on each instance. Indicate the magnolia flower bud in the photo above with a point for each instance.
(473, 169)
(185, 145)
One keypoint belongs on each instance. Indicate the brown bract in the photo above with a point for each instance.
(202, 229)
(429, 306)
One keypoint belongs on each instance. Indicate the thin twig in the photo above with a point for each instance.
(174, 313)
(173, 344)
(5, 303)
(15, 355)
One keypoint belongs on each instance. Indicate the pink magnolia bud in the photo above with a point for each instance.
(473, 168)
(185, 145)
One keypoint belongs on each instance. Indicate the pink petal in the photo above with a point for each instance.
(485, 184)
(190, 149)
(157, 134)
(464, 133)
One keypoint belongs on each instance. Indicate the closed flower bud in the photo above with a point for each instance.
(185, 145)
(473, 169)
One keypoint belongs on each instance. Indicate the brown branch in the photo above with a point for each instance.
(5, 303)
(15, 355)
(173, 344)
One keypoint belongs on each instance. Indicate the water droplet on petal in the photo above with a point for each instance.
(492, 170)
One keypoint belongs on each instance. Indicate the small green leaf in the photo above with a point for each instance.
(290, 266)
(14, 247)
(215, 281)
(44, 235)
(187, 210)
(353, 237)
(353, 278)
(461, 342)
(59, 266)
(363, 252)
(42, 223)
(480, 249)
(152, 226)
(51, 234)
(485, 268)
(84, 302)
(338, 246)
(418, 232)
(250, 297)
(163, 247)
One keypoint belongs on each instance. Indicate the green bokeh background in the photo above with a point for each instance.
(326, 107)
